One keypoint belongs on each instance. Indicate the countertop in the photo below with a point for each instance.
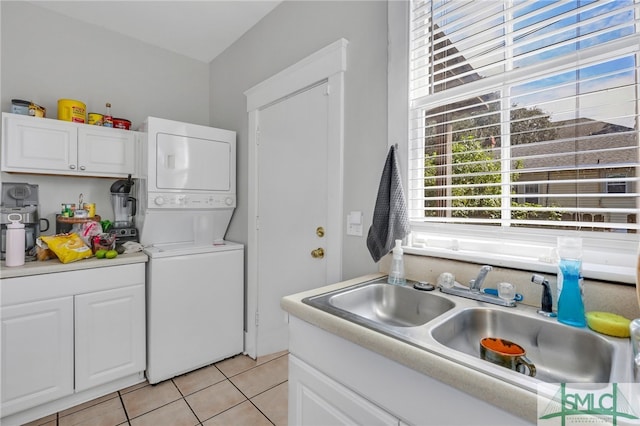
(513, 399)
(54, 265)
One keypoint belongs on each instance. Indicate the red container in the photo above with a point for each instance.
(121, 123)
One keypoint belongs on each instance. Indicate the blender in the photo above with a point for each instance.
(124, 210)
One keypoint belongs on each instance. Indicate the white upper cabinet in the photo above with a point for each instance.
(45, 146)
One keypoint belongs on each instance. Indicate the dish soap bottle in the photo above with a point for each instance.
(15, 241)
(570, 299)
(396, 274)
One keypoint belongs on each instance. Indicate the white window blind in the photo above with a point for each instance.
(524, 114)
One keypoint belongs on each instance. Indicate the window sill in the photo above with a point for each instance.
(617, 274)
(608, 259)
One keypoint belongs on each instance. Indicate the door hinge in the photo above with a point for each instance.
(258, 136)
(327, 90)
(257, 318)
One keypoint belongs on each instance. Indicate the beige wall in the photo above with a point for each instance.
(47, 56)
(291, 32)
(599, 296)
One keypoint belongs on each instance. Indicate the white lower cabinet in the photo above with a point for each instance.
(109, 335)
(318, 400)
(37, 353)
(333, 381)
(83, 339)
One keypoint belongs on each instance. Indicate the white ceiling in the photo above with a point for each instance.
(197, 29)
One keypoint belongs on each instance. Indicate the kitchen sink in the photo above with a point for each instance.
(377, 304)
(560, 353)
(452, 327)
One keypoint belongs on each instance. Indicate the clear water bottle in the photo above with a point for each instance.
(396, 274)
(15, 241)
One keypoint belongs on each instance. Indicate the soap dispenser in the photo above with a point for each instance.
(396, 274)
(570, 298)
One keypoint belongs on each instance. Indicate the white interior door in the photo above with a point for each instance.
(292, 207)
(295, 190)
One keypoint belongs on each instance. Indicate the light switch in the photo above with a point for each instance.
(354, 224)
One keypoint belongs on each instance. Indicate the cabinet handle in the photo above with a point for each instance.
(83, 168)
(72, 166)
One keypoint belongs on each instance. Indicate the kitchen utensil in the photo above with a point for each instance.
(506, 354)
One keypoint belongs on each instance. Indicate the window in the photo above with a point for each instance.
(616, 184)
(528, 193)
(523, 124)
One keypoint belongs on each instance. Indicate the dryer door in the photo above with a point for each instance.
(192, 164)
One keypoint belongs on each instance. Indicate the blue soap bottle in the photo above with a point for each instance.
(570, 303)
(570, 294)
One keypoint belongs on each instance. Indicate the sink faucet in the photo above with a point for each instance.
(476, 285)
(473, 292)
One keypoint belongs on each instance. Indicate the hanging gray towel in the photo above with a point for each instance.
(390, 218)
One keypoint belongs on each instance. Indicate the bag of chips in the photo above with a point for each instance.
(68, 247)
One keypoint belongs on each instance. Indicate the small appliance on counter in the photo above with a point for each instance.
(21, 199)
(124, 210)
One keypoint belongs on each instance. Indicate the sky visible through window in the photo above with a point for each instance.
(604, 22)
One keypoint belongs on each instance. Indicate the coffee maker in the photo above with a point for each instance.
(22, 199)
(124, 210)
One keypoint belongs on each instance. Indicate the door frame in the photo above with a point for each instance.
(327, 64)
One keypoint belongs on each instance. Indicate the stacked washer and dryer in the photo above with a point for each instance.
(195, 278)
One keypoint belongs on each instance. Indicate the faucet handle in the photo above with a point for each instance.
(506, 291)
(476, 284)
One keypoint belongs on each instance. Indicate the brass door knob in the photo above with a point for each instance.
(317, 253)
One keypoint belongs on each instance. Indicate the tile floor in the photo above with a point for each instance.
(237, 391)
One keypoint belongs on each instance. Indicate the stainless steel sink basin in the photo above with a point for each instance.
(452, 327)
(377, 304)
(561, 354)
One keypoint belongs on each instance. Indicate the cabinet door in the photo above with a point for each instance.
(315, 399)
(110, 335)
(39, 145)
(37, 353)
(106, 151)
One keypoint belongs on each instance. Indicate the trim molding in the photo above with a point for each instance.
(316, 67)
